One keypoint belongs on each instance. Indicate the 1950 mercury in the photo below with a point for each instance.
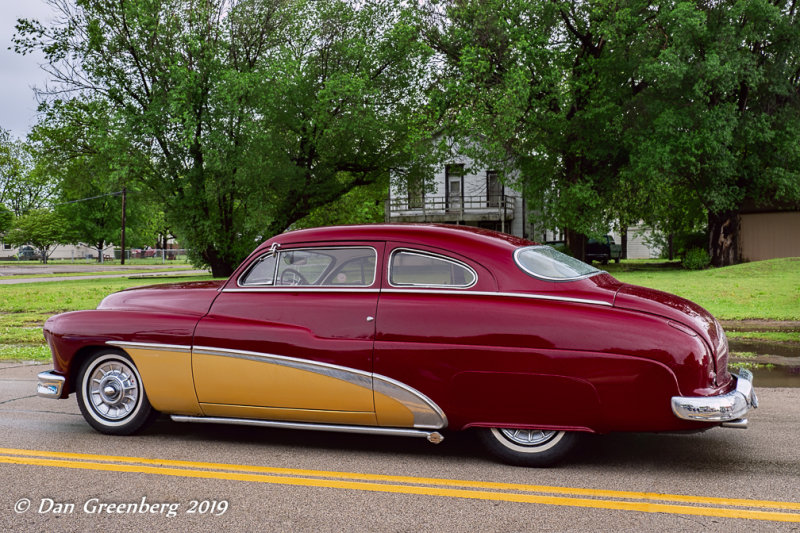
(403, 330)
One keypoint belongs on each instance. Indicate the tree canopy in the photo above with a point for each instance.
(242, 116)
(23, 185)
(630, 110)
(41, 228)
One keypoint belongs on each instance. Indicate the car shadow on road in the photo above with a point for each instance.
(690, 453)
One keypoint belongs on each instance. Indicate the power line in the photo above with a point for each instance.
(118, 193)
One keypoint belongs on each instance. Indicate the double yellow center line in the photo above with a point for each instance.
(645, 502)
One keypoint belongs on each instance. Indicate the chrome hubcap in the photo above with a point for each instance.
(114, 390)
(528, 437)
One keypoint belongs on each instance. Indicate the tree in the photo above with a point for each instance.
(243, 116)
(23, 185)
(42, 229)
(362, 205)
(630, 110)
(721, 116)
(75, 144)
(6, 219)
(548, 88)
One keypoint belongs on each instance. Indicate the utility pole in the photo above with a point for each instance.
(122, 244)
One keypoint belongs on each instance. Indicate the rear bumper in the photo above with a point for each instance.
(729, 409)
(50, 385)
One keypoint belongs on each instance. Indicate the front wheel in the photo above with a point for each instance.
(528, 447)
(111, 396)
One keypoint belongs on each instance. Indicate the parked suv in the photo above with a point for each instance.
(603, 250)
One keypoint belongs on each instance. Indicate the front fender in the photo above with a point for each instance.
(73, 336)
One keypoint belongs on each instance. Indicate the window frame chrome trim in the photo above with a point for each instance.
(276, 250)
(548, 278)
(311, 289)
(425, 253)
(546, 297)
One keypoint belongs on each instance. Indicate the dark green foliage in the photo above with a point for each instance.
(674, 113)
(696, 259)
(242, 116)
(6, 219)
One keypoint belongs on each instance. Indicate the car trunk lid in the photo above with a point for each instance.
(681, 313)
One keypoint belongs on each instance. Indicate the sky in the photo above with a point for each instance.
(19, 74)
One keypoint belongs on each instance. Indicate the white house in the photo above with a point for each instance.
(465, 194)
(461, 195)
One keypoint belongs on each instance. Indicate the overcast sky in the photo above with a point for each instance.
(19, 74)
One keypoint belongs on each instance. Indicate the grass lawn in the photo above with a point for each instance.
(25, 307)
(768, 290)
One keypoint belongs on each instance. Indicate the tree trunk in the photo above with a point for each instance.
(219, 267)
(723, 236)
(623, 237)
(671, 246)
(576, 244)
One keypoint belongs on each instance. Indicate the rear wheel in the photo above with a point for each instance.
(111, 396)
(528, 447)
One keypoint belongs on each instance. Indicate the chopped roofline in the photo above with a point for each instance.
(397, 231)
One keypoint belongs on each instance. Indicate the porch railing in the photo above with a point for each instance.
(457, 206)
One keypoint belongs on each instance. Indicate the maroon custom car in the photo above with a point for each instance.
(403, 330)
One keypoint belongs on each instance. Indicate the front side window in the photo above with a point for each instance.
(547, 263)
(261, 273)
(320, 267)
(419, 269)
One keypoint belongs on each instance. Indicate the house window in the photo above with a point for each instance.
(6, 246)
(454, 177)
(494, 189)
(416, 194)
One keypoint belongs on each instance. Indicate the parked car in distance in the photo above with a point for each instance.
(603, 250)
(408, 330)
(28, 253)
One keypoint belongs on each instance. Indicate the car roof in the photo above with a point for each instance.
(464, 239)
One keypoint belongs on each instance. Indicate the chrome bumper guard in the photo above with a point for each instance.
(730, 409)
(50, 385)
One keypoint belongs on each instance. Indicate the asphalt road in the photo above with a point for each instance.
(57, 474)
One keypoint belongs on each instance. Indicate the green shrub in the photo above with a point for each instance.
(696, 259)
(563, 248)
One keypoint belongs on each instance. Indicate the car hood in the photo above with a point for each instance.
(189, 298)
(682, 314)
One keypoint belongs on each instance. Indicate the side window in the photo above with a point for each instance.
(419, 269)
(317, 267)
(302, 267)
(262, 273)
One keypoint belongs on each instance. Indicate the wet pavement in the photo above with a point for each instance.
(773, 363)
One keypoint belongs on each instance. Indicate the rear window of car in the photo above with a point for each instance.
(319, 267)
(547, 263)
(420, 269)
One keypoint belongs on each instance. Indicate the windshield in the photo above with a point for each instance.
(546, 263)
